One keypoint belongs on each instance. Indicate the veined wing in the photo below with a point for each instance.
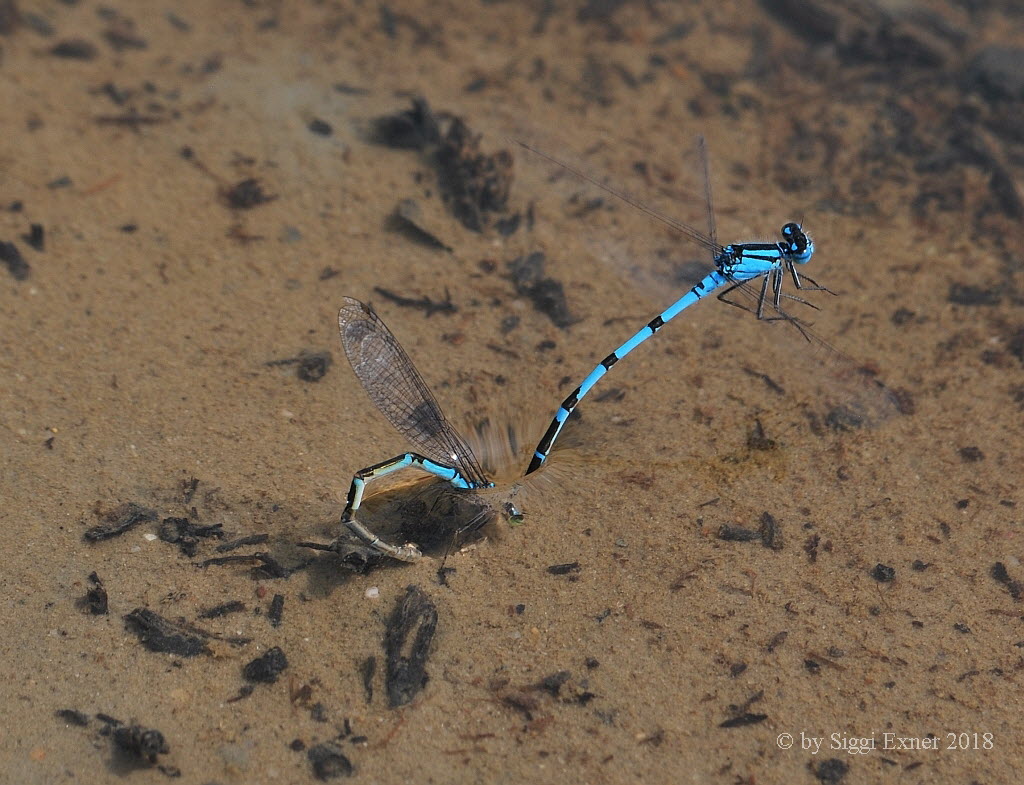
(694, 235)
(399, 392)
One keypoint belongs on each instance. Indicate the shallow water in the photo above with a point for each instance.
(625, 631)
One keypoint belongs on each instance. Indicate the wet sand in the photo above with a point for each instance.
(709, 564)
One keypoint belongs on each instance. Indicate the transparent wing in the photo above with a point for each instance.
(399, 392)
(652, 258)
(694, 235)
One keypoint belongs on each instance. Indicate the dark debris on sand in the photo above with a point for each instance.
(246, 194)
(529, 699)
(309, 366)
(425, 304)
(473, 184)
(267, 667)
(164, 636)
(134, 745)
(139, 743)
(14, 261)
(547, 294)
(120, 520)
(95, 599)
(410, 631)
(186, 535)
(329, 762)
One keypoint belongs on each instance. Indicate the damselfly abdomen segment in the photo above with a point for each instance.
(399, 392)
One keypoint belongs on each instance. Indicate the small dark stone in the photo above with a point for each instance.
(883, 573)
(14, 261)
(35, 236)
(564, 569)
(75, 49)
(1000, 574)
(321, 128)
(267, 667)
(247, 194)
(73, 717)
(329, 762)
(971, 454)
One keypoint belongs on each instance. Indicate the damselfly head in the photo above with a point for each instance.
(799, 245)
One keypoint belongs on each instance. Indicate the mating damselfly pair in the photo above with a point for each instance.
(749, 275)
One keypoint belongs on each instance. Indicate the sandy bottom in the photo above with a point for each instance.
(722, 576)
